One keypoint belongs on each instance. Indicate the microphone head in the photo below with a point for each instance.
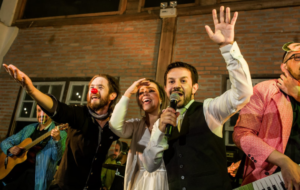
(174, 96)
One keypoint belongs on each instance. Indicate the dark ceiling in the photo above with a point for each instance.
(49, 8)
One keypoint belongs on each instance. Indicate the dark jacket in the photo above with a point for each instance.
(196, 158)
(83, 158)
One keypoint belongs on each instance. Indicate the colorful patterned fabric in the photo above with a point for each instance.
(264, 125)
(46, 159)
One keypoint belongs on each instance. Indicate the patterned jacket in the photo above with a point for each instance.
(264, 125)
(46, 159)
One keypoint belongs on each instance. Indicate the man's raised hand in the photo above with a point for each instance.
(20, 77)
(224, 30)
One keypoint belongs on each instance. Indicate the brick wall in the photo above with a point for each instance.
(130, 49)
(260, 35)
(127, 50)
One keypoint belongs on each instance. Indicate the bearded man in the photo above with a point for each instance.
(268, 127)
(89, 136)
(194, 154)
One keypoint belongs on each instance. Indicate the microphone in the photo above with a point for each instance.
(174, 98)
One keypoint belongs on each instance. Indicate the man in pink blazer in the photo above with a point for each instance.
(267, 126)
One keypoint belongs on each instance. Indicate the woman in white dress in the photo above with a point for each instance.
(150, 98)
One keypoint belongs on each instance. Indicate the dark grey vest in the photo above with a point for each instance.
(196, 158)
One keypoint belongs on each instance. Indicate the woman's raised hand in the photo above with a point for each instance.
(136, 86)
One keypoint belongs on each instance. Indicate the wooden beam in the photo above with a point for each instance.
(141, 5)
(122, 6)
(165, 47)
(19, 10)
(178, 6)
(84, 20)
(239, 6)
(154, 14)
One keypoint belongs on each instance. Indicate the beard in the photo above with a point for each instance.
(96, 106)
(187, 99)
(186, 96)
(293, 74)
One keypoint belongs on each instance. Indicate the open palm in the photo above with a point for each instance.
(224, 29)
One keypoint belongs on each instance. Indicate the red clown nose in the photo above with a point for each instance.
(94, 91)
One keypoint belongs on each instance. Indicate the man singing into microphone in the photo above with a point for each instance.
(194, 154)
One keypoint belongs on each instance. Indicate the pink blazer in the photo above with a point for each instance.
(264, 124)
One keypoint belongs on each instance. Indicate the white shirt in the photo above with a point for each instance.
(216, 110)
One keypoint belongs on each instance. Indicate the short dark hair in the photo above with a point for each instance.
(192, 69)
(161, 92)
(113, 86)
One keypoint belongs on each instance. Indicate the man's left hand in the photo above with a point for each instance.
(55, 133)
(288, 84)
(224, 30)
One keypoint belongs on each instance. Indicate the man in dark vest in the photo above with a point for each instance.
(194, 155)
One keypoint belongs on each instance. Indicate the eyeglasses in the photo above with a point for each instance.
(296, 57)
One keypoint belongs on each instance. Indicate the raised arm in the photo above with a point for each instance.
(219, 109)
(42, 99)
(117, 122)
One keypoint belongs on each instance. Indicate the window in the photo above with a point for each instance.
(26, 112)
(58, 9)
(77, 93)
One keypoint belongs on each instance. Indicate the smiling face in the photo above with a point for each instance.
(41, 116)
(148, 98)
(179, 80)
(101, 98)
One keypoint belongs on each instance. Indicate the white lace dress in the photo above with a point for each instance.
(156, 180)
(137, 176)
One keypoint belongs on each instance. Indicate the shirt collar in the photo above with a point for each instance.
(187, 106)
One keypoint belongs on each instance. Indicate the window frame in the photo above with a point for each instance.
(23, 94)
(67, 81)
(69, 91)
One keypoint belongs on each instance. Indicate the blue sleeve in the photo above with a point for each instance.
(13, 140)
(58, 148)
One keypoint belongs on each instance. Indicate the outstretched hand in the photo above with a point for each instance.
(19, 76)
(136, 86)
(288, 84)
(224, 30)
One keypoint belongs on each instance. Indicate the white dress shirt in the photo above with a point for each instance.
(216, 110)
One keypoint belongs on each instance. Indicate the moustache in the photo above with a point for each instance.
(95, 95)
(177, 89)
